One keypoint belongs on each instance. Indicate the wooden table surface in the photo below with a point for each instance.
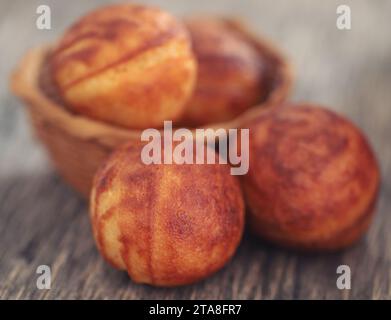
(43, 221)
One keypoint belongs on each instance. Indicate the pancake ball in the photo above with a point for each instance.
(128, 65)
(313, 178)
(231, 72)
(167, 225)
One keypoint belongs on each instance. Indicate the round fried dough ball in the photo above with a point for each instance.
(231, 73)
(313, 178)
(127, 65)
(166, 224)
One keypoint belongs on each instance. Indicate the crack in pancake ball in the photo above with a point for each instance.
(313, 178)
(231, 72)
(166, 224)
(128, 65)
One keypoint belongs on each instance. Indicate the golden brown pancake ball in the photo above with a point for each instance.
(313, 178)
(167, 225)
(128, 65)
(231, 72)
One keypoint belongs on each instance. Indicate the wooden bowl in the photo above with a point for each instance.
(78, 145)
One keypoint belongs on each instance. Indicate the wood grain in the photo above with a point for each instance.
(42, 221)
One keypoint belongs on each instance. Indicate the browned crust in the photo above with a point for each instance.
(342, 239)
(254, 73)
(281, 78)
(313, 178)
(85, 55)
(207, 215)
(124, 66)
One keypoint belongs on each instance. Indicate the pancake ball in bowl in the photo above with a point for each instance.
(127, 65)
(313, 178)
(166, 224)
(231, 72)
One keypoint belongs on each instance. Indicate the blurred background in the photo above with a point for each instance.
(43, 221)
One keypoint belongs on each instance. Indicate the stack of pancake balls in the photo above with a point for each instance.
(312, 182)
